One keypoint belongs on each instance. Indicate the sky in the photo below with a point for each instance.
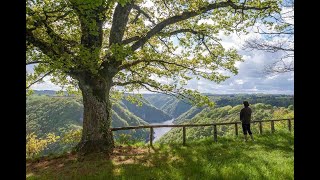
(250, 78)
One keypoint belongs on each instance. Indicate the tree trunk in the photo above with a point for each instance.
(96, 133)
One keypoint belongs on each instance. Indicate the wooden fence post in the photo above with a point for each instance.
(289, 124)
(272, 127)
(215, 133)
(260, 127)
(151, 136)
(184, 135)
(236, 128)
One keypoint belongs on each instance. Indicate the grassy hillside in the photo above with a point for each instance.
(227, 114)
(269, 157)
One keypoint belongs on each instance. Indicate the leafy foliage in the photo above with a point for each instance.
(35, 145)
(72, 137)
(95, 46)
(133, 46)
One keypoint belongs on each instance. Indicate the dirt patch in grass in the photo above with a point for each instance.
(121, 155)
(49, 162)
(128, 154)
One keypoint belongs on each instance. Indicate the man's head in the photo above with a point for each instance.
(245, 103)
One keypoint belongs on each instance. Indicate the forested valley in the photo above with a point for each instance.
(57, 119)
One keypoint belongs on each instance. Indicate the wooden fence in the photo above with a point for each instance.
(215, 133)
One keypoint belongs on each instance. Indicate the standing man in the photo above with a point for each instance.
(245, 118)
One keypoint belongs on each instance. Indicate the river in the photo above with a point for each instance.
(159, 132)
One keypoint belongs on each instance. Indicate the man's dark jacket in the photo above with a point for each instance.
(245, 115)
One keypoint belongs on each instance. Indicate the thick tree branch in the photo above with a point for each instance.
(91, 22)
(126, 83)
(136, 7)
(119, 22)
(133, 63)
(129, 40)
(164, 34)
(134, 21)
(179, 31)
(186, 15)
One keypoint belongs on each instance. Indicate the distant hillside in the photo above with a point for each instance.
(224, 114)
(147, 112)
(55, 114)
(46, 114)
(49, 113)
(157, 100)
(170, 105)
(176, 107)
(48, 92)
(188, 115)
(236, 99)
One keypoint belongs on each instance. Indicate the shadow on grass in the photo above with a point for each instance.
(282, 141)
(229, 158)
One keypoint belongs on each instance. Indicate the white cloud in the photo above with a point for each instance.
(272, 76)
(46, 85)
(239, 81)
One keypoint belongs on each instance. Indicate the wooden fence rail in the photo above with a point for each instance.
(215, 132)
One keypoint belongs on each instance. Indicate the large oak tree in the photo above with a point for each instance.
(96, 45)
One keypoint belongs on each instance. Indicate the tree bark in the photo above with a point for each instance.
(96, 134)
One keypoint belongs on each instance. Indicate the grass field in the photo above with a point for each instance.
(269, 157)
